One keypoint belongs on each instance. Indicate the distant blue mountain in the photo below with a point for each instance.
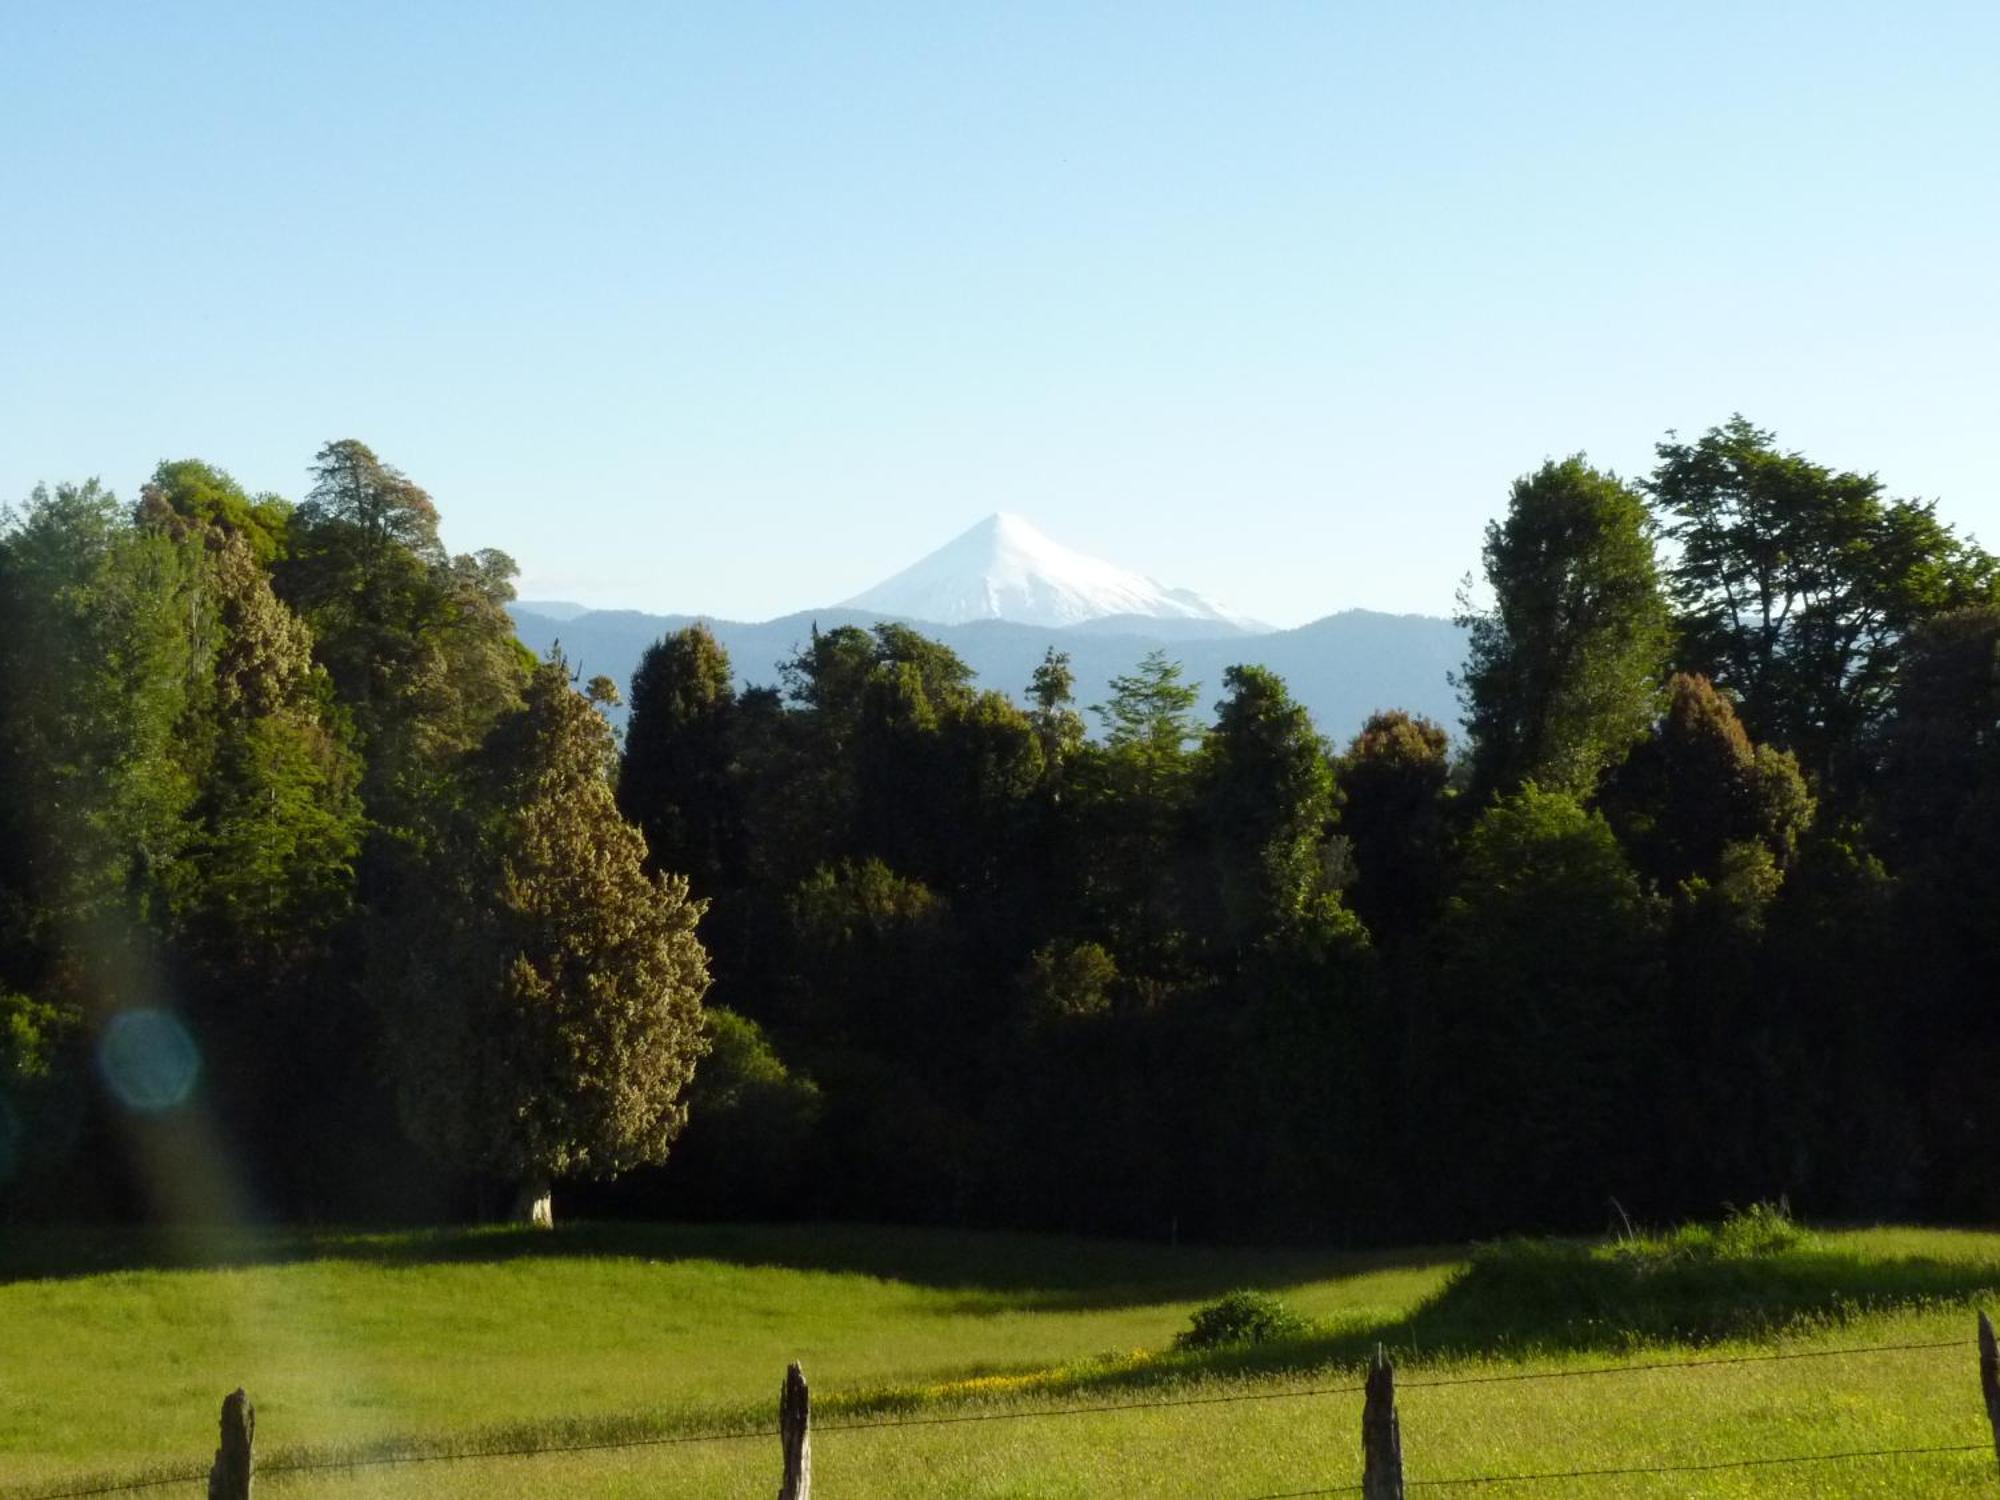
(554, 609)
(1341, 668)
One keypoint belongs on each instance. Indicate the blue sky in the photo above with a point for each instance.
(738, 308)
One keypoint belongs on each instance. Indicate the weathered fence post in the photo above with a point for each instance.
(795, 1434)
(1381, 1434)
(230, 1478)
(1989, 1379)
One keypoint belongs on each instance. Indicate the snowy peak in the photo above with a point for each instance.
(1006, 569)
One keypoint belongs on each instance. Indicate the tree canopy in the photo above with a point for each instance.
(1700, 909)
(1563, 671)
(1795, 584)
(548, 1017)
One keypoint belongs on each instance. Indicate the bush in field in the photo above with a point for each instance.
(1241, 1318)
(1753, 1233)
(1753, 1272)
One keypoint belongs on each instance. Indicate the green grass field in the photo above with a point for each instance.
(115, 1351)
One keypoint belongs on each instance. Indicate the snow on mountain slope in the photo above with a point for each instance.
(1004, 569)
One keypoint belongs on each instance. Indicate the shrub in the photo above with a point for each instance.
(1753, 1233)
(1068, 982)
(752, 1129)
(1753, 1272)
(1761, 1229)
(1241, 1318)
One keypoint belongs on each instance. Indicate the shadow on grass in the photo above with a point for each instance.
(1032, 1272)
(1509, 1299)
(1526, 1299)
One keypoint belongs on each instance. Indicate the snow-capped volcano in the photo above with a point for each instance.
(1004, 569)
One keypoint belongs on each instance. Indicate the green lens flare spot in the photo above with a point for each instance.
(148, 1060)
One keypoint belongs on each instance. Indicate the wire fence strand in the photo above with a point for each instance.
(1632, 1470)
(1680, 1364)
(330, 1463)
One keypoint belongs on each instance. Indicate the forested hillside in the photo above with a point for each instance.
(321, 896)
(1340, 668)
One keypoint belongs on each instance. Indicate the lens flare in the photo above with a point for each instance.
(148, 1060)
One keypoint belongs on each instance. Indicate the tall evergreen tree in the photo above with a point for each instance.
(547, 1016)
(1392, 785)
(676, 784)
(1563, 672)
(1132, 817)
(1052, 694)
(98, 665)
(991, 766)
(263, 889)
(1697, 786)
(276, 825)
(103, 661)
(1149, 715)
(418, 644)
(1266, 805)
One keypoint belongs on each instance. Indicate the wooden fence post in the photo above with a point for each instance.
(795, 1434)
(1381, 1434)
(229, 1479)
(1989, 1379)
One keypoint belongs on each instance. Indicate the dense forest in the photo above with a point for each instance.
(320, 897)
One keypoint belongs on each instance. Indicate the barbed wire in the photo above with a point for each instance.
(1090, 1408)
(533, 1450)
(1680, 1364)
(1637, 1469)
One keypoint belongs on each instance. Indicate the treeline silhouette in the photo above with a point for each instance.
(1702, 907)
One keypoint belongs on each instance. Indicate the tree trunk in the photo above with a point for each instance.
(533, 1203)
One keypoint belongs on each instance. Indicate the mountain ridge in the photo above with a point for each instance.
(1342, 667)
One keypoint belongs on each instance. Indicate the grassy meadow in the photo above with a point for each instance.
(115, 1350)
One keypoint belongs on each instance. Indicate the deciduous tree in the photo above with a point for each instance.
(1795, 585)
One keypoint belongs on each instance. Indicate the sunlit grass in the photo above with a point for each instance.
(427, 1342)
